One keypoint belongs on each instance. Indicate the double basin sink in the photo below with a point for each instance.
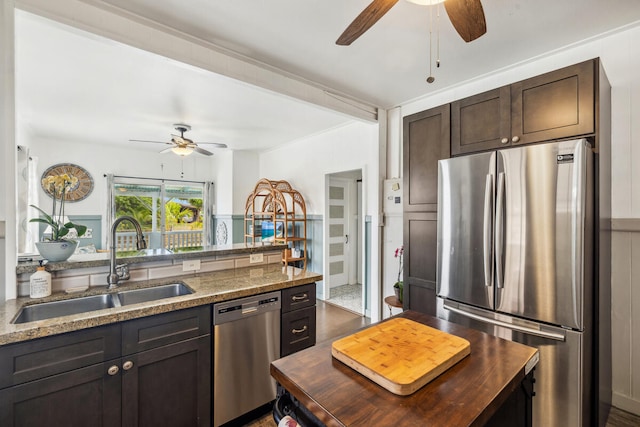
(49, 310)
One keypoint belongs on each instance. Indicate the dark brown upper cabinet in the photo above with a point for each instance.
(556, 105)
(426, 140)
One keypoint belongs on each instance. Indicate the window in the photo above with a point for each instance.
(172, 214)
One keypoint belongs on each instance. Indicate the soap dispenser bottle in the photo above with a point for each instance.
(40, 283)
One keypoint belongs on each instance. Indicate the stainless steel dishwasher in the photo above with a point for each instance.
(246, 339)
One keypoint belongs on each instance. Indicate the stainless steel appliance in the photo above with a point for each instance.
(515, 259)
(246, 340)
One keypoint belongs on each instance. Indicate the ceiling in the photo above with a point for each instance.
(69, 82)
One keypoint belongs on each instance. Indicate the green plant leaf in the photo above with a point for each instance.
(49, 220)
(81, 229)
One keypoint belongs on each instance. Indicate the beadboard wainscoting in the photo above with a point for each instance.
(625, 313)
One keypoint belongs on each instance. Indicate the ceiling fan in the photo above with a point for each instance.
(467, 17)
(183, 146)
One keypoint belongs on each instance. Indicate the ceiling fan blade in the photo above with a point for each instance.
(467, 17)
(166, 150)
(369, 16)
(202, 151)
(143, 140)
(216, 144)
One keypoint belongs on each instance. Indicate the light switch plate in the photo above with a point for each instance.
(191, 265)
(255, 258)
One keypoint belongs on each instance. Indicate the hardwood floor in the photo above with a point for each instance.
(333, 322)
(620, 418)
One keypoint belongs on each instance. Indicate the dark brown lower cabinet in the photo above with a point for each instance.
(55, 381)
(298, 322)
(420, 262)
(82, 397)
(165, 386)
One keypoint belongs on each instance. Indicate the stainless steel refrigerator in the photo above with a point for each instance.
(515, 259)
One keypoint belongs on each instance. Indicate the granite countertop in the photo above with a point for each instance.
(150, 255)
(208, 288)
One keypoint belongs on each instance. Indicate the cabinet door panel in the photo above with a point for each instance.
(168, 386)
(555, 105)
(426, 140)
(420, 251)
(481, 122)
(32, 360)
(79, 398)
(155, 331)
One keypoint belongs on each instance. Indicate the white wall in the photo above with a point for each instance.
(245, 175)
(621, 59)
(7, 153)
(305, 163)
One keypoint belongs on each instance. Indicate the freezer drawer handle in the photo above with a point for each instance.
(518, 328)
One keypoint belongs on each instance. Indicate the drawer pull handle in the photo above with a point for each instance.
(113, 370)
(300, 298)
(127, 365)
(299, 331)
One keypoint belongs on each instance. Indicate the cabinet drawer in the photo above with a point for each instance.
(27, 361)
(162, 329)
(298, 297)
(298, 330)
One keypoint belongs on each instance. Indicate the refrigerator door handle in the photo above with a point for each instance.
(499, 230)
(517, 328)
(577, 235)
(487, 225)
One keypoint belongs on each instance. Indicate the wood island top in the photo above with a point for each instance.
(467, 394)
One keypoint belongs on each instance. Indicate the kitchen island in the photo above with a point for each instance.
(491, 386)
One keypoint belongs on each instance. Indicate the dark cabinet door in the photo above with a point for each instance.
(555, 105)
(426, 140)
(481, 122)
(168, 386)
(420, 251)
(82, 397)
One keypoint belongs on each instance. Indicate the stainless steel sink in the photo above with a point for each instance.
(135, 296)
(48, 310)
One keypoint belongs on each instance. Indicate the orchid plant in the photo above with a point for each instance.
(58, 186)
(398, 254)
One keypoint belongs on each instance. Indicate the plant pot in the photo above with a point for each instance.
(398, 291)
(57, 251)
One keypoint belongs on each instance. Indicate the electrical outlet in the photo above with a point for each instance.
(87, 234)
(191, 265)
(255, 258)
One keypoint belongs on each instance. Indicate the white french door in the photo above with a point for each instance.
(339, 240)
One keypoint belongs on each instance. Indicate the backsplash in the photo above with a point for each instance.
(97, 276)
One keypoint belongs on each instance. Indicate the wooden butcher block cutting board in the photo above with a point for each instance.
(400, 355)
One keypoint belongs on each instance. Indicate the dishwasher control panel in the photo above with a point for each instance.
(229, 311)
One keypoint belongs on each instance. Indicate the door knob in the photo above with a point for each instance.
(346, 239)
(504, 140)
(515, 139)
(127, 365)
(113, 370)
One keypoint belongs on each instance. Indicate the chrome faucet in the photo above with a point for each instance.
(121, 272)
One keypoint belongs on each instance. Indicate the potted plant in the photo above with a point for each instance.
(59, 246)
(398, 286)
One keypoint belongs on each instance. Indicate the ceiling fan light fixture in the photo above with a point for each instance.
(426, 2)
(182, 151)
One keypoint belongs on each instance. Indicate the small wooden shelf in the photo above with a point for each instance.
(277, 203)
